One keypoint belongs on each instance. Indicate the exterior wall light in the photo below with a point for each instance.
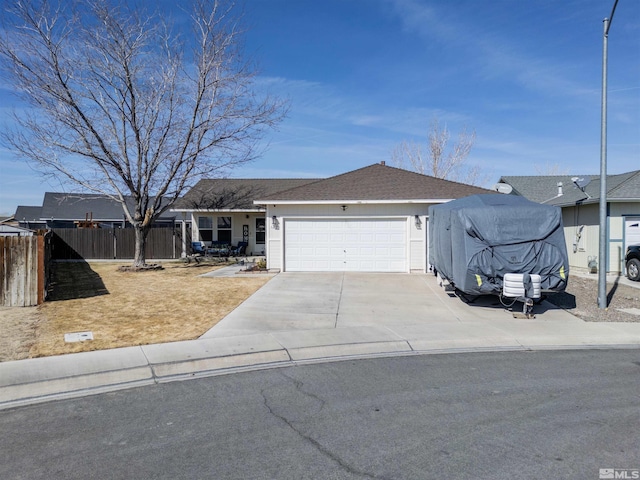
(274, 221)
(418, 221)
(344, 207)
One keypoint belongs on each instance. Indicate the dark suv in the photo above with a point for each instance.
(633, 262)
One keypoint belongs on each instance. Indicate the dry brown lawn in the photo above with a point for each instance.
(122, 308)
(18, 327)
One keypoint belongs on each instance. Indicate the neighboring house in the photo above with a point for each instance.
(223, 210)
(73, 210)
(373, 219)
(29, 217)
(7, 230)
(579, 198)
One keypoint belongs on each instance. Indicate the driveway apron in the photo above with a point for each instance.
(286, 302)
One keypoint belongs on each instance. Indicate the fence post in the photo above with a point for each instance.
(19, 268)
(41, 269)
(3, 271)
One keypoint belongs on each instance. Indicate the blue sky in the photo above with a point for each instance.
(363, 75)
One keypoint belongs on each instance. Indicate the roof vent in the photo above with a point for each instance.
(560, 189)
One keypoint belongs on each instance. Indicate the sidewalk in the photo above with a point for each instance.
(271, 329)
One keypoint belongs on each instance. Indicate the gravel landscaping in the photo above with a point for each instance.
(580, 299)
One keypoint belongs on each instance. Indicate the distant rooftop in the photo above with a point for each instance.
(545, 189)
(235, 193)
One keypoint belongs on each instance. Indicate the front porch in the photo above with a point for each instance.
(222, 232)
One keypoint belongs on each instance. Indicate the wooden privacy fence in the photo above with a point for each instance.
(22, 261)
(116, 243)
(25, 261)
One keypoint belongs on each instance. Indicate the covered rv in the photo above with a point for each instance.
(476, 240)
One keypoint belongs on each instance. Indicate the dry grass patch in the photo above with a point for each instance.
(18, 327)
(135, 308)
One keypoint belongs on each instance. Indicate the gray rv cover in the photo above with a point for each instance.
(474, 241)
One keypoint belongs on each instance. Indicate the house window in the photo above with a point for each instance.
(205, 227)
(260, 229)
(224, 229)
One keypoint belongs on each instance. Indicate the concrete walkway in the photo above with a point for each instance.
(298, 317)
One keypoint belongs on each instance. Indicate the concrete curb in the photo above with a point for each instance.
(27, 382)
(42, 379)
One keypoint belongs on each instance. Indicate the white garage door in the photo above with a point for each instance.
(632, 231)
(345, 245)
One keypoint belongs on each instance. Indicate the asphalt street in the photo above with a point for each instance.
(508, 415)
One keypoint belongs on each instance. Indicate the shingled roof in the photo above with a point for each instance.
(544, 189)
(376, 182)
(77, 206)
(234, 193)
(28, 213)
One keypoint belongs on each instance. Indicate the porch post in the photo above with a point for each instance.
(184, 235)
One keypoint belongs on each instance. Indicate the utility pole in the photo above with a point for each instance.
(602, 271)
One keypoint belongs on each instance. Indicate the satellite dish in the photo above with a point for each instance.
(503, 188)
(581, 182)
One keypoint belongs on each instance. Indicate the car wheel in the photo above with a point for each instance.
(633, 269)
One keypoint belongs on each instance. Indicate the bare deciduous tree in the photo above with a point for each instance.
(550, 169)
(123, 104)
(438, 158)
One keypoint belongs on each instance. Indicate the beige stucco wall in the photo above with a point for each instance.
(581, 234)
(588, 241)
(416, 238)
(619, 212)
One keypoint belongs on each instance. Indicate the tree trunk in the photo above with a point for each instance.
(139, 259)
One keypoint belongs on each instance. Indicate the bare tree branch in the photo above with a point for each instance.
(440, 159)
(123, 104)
(550, 169)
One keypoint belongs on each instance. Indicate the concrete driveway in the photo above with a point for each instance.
(328, 308)
(304, 301)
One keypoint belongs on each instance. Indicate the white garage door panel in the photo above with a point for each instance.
(354, 245)
(632, 231)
